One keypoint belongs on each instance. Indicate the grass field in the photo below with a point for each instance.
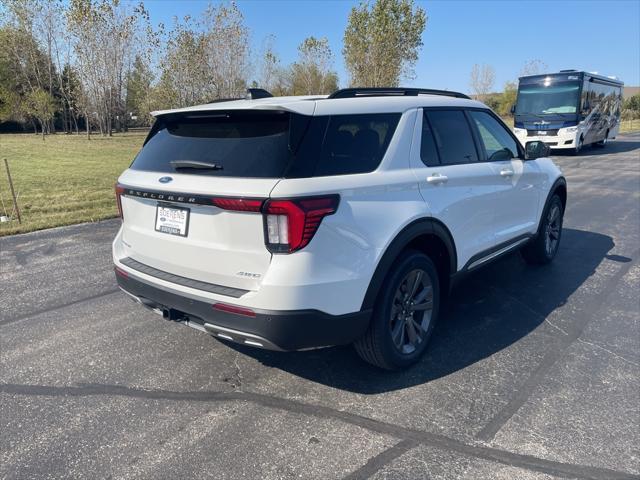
(63, 180)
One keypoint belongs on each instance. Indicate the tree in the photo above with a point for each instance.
(482, 80)
(269, 64)
(508, 99)
(381, 43)
(22, 64)
(633, 104)
(206, 59)
(312, 73)
(138, 99)
(105, 37)
(71, 90)
(42, 106)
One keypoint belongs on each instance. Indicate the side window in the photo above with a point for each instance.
(497, 142)
(453, 136)
(428, 150)
(354, 143)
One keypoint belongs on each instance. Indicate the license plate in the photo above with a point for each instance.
(542, 132)
(172, 220)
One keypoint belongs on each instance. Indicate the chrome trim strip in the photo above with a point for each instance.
(240, 337)
(482, 260)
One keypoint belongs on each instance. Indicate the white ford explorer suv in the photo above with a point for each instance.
(290, 223)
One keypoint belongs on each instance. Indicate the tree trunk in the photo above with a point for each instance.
(87, 123)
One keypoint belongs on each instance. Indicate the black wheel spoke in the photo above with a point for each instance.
(411, 311)
(427, 304)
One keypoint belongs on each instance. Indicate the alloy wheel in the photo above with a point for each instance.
(411, 311)
(552, 234)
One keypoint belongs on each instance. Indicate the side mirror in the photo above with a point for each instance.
(512, 109)
(536, 149)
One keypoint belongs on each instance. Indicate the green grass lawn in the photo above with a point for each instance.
(63, 180)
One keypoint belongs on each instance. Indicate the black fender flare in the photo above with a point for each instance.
(417, 228)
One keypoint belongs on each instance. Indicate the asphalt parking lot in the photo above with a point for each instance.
(533, 373)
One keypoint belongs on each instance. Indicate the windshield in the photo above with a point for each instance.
(553, 99)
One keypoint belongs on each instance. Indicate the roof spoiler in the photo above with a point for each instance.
(392, 91)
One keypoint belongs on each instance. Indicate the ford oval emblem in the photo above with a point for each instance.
(165, 179)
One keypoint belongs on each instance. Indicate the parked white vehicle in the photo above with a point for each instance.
(298, 222)
(568, 110)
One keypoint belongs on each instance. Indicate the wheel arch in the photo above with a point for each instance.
(428, 235)
(559, 187)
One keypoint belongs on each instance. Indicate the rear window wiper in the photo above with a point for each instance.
(195, 164)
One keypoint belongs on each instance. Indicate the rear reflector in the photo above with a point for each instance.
(121, 273)
(238, 204)
(223, 307)
(291, 224)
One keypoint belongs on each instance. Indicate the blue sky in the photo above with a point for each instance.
(592, 35)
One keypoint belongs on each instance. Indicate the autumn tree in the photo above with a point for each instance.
(482, 80)
(312, 73)
(42, 106)
(508, 99)
(138, 98)
(382, 41)
(205, 59)
(105, 41)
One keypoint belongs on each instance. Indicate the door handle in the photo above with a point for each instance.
(506, 172)
(437, 178)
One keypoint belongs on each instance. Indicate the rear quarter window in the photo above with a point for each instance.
(345, 144)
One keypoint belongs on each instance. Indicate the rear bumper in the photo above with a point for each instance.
(274, 330)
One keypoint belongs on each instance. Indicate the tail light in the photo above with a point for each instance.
(238, 204)
(119, 192)
(291, 224)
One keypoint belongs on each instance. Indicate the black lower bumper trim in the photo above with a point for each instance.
(281, 330)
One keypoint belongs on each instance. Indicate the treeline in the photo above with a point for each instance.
(103, 65)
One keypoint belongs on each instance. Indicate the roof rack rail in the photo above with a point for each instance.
(392, 91)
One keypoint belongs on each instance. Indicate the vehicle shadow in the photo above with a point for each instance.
(487, 312)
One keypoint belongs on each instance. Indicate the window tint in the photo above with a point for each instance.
(497, 142)
(267, 144)
(346, 144)
(240, 143)
(428, 150)
(453, 136)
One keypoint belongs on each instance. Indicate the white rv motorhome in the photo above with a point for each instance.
(568, 110)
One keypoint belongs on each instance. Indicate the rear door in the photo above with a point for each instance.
(458, 188)
(191, 199)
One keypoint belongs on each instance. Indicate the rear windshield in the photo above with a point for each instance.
(268, 144)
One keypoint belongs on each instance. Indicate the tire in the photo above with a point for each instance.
(543, 249)
(399, 332)
(578, 148)
(603, 143)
